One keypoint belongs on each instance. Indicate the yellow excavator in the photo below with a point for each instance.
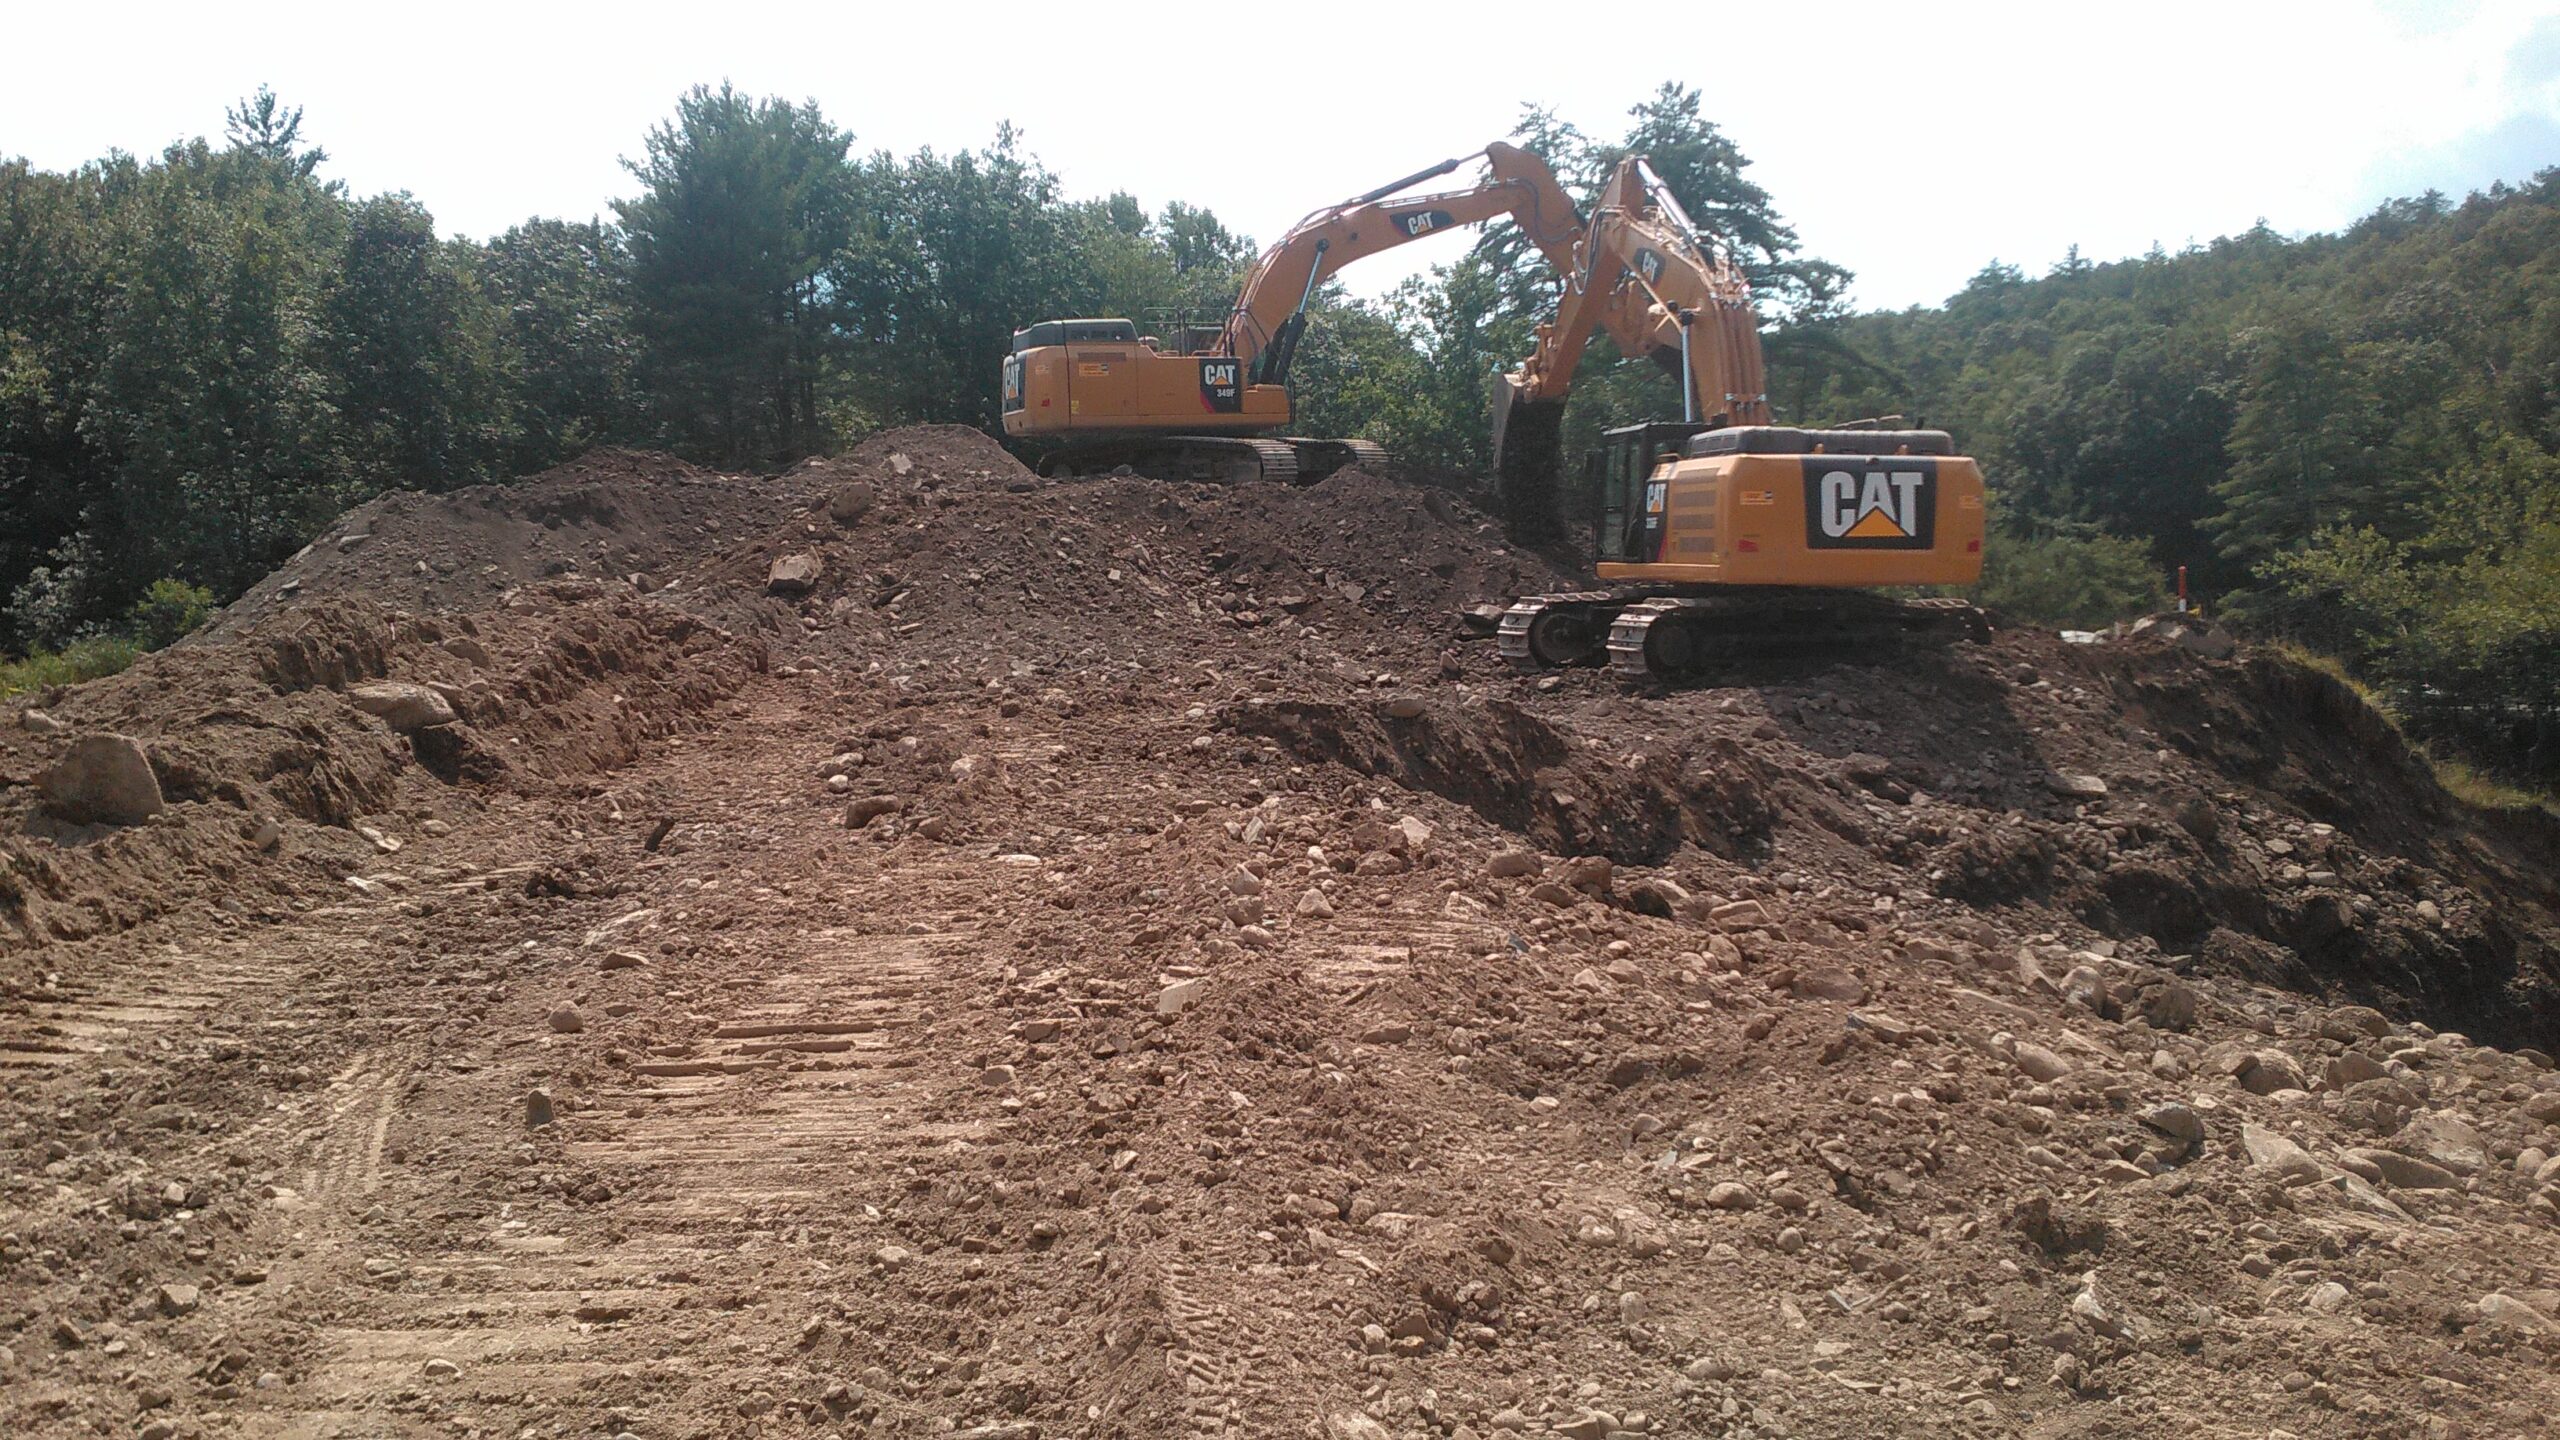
(1721, 531)
(1211, 402)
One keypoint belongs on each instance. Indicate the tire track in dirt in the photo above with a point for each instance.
(797, 1099)
(122, 1004)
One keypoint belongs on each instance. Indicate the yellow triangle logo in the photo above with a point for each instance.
(1876, 525)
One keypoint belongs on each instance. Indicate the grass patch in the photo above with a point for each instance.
(80, 660)
(2330, 666)
(2461, 780)
(2482, 792)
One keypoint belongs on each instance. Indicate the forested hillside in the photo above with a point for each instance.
(206, 353)
(2349, 439)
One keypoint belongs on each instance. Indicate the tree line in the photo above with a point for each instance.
(206, 354)
(2351, 440)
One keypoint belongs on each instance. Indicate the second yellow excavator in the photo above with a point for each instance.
(1211, 402)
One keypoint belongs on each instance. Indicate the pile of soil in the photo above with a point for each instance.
(937, 551)
(1103, 958)
(273, 776)
(618, 516)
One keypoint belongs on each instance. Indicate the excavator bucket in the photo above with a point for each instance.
(1506, 398)
(1528, 461)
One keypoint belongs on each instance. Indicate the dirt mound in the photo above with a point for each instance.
(273, 777)
(2269, 828)
(968, 565)
(623, 517)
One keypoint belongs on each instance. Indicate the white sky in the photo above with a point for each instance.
(1911, 143)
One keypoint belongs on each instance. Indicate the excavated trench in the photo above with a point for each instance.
(1523, 774)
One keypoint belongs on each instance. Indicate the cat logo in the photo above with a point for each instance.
(1417, 223)
(1885, 502)
(1221, 385)
(1649, 265)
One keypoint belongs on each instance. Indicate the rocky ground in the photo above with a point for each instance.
(903, 947)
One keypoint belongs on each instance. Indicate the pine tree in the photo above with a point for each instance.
(745, 204)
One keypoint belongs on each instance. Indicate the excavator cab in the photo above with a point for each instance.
(1627, 504)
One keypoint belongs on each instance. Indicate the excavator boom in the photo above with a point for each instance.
(1270, 310)
(1643, 270)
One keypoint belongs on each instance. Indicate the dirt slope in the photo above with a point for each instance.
(619, 516)
(1108, 959)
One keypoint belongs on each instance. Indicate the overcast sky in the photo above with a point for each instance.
(1911, 143)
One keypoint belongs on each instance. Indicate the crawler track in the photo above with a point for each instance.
(1650, 633)
(1222, 459)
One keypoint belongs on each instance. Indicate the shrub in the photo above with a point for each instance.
(2082, 581)
(164, 614)
(167, 612)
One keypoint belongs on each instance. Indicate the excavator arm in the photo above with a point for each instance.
(1642, 270)
(1723, 532)
(1270, 312)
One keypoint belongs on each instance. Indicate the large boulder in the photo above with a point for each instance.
(2264, 1072)
(103, 780)
(405, 707)
(2444, 1139)
(2287, 1162)
(2167, 1004)
(793, 574)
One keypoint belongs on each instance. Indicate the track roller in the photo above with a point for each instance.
(1545, 632)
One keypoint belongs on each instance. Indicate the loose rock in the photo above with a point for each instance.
(104, 780)
(2038, 1063)
(404, 707)
(850, 503)
(793, 575)
(2278, 1156)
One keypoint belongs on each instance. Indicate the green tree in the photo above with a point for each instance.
(1209, 260)
(951, 257)
(745, 205)
(2082, 578)
(53, 291)
(562, 292)
(269, 129)
(2128, 432)
(2307, 443)
(215, 394)
(205, 355)
(414, 355)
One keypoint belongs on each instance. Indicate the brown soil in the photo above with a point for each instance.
(618, 516)
(1166, 1056)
